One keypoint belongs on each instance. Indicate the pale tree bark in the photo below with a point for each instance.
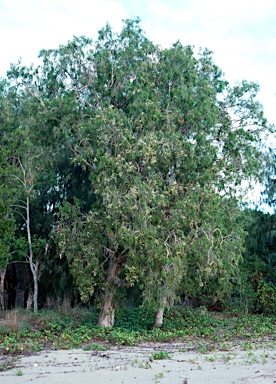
(2, 288)
(107, 314)
(159, 317)
(27, 182)
(106, 317)
(33, 265)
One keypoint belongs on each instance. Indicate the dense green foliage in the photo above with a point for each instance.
(196, 329)
(257, 277)
(126, 161)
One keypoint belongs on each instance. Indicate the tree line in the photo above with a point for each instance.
(121, 171)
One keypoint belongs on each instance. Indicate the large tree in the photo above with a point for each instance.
(165, 142)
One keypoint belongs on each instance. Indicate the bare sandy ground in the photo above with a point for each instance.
(132, 365)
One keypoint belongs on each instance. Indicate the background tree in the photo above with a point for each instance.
(24, 163)
(7, 222)
(25, 178)
(256, 283)
(7, 230)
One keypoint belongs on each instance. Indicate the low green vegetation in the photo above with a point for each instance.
(203, 331)
(19, 373)
(157, 376)
(159, 355)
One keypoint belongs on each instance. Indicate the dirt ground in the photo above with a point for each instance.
(135, 365)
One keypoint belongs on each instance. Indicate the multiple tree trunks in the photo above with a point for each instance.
(129, 159)
(15, 285)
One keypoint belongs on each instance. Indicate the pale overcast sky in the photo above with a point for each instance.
(241, 33)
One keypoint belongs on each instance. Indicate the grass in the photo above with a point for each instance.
(23, 332)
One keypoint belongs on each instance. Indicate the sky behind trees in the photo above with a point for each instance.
(241, 33)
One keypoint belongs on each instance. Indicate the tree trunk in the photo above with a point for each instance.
(106, 317)
(2, 288)
(33, 265)
(36, 287)
(160, 314)
(30, 299)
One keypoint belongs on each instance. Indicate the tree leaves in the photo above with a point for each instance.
(160, 143)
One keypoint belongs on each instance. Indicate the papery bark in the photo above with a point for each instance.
(159, 317)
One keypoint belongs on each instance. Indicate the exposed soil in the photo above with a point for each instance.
(135, 365)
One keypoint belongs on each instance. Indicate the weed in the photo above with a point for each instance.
(264, 357)
(7, 365)
(204, 348)
(247, 346)
(159, 355)
(211, 358)
(134, 362)
(158, 376)
(95, 347)
(99, 347)
(141, 364)
(182, 349)
(253, 360)
(227, 358)
(19, 373)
